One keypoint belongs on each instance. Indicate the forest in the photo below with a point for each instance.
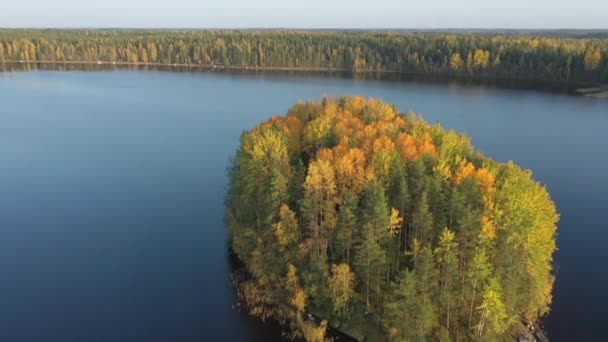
(347, 213)
(506, 57)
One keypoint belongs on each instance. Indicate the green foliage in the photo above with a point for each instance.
(477, 55)
(341, 287)
(433, 242)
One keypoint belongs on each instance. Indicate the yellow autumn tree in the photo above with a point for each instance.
(592, 59)
(456, 62)
(341, 287)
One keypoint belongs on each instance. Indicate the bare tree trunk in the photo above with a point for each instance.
(472, 303)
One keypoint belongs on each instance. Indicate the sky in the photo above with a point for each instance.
(529, 14)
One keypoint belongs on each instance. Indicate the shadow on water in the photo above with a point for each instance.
(459, 80)
(269, 327)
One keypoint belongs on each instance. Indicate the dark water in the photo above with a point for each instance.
(112, 188)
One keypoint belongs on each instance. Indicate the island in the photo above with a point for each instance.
(346, 213)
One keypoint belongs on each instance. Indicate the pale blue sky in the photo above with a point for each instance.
(306, 13)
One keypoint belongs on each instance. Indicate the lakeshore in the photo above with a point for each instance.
(574, 88)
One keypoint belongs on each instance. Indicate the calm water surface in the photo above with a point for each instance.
(112, 188)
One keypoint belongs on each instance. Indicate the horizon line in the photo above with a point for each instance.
(297, 28)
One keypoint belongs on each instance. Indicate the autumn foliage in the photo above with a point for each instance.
(377, 221)
(484, 55)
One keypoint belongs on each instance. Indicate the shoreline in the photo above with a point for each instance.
(598, 91)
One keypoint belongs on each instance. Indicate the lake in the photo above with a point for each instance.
(112, 186)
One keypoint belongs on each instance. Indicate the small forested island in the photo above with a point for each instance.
(349, 214)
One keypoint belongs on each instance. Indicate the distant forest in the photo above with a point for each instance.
(475, 55)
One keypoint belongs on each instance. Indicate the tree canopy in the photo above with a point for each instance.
(512, 57)
(375, 220)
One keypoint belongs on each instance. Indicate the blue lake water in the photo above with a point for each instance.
(112, 186)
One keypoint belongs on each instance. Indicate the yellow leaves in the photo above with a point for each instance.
(348, 125)
(330, 109)
(456, 62)
(488, 229)
(394, 222)
(292, 278)
(318, 131)
(321, 178)
(341, 287)
(383, 144)
(325, 154)
(265, 144)
(592, 59)
(350, 172)
(293, 127)
(299, 300)
(406, 145)
(447, 246)
(426, 146)
(381, 153)
(528, 221)
(453, 151)
(354, 104)
(484, 178)
(286, 230)
(465, 170)
(367, 136)
(319, 203)
(411, 148)
(376, 110)
(494, 310)
(311, 332)
(264, 157)
(533, 44)
(481, 59)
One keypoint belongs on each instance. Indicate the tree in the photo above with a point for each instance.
(351, 175)
(456, 62)
(318, 206)
(481, 59)
(408, 318)
(427, 278)
(493, 310)
(422, 220)
(447, 257)
(399, 198)
(592, 59)
(346, 226)
(525, 242)
(369, 261)
(478, 274)
(299, 298)
(287, 232)
(370, 257)
(341, 287)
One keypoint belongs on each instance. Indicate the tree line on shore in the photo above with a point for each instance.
(468, 55)
(376, 221)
